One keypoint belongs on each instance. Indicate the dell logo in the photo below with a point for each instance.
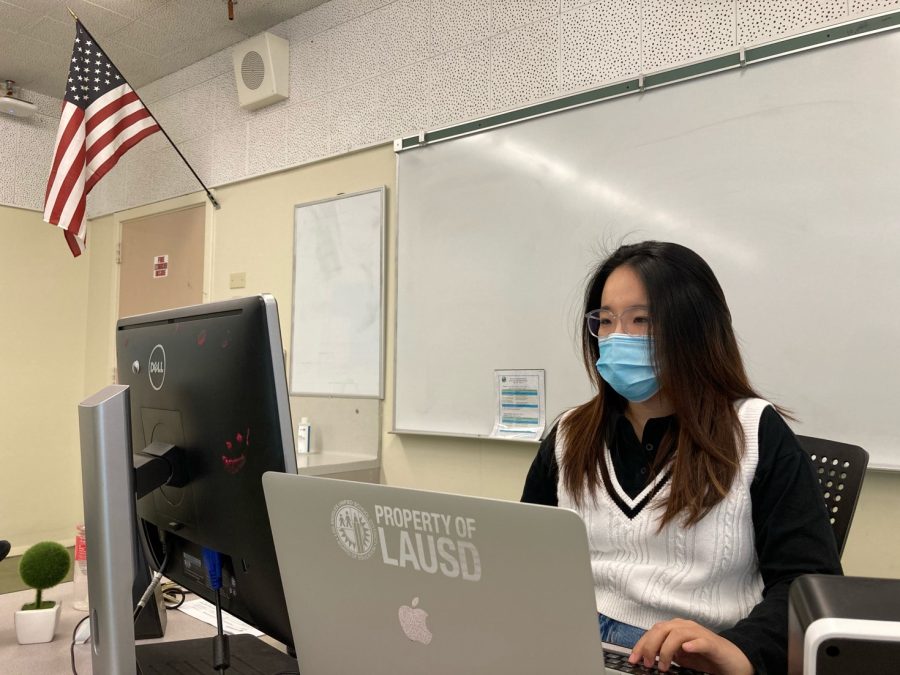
(157, 367)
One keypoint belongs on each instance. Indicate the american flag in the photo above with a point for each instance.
(102, 118)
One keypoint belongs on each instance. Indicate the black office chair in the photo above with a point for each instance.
(840, 468)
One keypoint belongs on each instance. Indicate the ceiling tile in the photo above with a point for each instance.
(309, 23)
(136, 66)
(147, 39)
(36, 6)
(96, 19)
(216, 12)
(51, 61)
(12, 65)
(133, 9)
(14, 18)
(215, 41)
(31, 61)
(165, 30)
(52, 31)
(48, 81)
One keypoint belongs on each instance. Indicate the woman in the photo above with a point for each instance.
(700, 505)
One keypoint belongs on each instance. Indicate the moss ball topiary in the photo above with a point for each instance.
(44, 565)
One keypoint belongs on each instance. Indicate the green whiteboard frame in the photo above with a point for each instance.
(741, 58)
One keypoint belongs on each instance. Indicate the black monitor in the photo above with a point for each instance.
(208, 392)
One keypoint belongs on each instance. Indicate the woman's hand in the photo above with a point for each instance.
(692, 646)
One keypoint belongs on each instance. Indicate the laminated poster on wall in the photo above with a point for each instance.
(520, 411)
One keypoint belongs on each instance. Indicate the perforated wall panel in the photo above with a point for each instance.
(762, 20)
(459, 84)
(230, 153)
(364, 71)
(601, 42)
(403, 34)
(525, 64)
(872, 6)
(455, 23)
(306, 131)
(402, 101)
(351, 57)
(351, 116)
(265, 142)
(510, 14)
(310, 60)
(679, 31)
(33, 156)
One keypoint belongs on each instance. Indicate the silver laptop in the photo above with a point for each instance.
(404, 582)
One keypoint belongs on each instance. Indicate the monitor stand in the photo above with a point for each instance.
(249, 656)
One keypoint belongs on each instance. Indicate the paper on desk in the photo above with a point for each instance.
(206, 612)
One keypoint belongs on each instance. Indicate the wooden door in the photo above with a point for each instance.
(162, 260)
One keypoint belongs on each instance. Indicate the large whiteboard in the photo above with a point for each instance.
(338, 313)
(785, 176)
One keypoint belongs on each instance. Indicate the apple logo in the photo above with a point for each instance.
(412, 621)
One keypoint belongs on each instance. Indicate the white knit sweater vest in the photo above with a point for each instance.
(708, 572)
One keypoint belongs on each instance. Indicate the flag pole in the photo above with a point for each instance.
(209, 194)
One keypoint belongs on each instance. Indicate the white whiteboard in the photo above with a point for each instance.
(338, 312)
(783, 176)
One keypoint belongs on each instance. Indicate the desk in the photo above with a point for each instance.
(53, 657)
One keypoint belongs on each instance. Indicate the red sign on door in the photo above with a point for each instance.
(160, 266)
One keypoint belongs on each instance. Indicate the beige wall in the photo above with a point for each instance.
(42, 343)
(253, 233)
(102, 303)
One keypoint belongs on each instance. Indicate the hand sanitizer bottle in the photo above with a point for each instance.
(303, 434)
(79, 575)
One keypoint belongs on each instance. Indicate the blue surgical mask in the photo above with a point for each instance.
(626, 364)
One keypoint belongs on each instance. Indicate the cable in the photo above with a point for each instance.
(72, 646)
(173, 595)
(154, 582)
(221, 651)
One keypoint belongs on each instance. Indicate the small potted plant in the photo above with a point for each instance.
(43, 566)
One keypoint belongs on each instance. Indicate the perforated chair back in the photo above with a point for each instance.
(840, 468)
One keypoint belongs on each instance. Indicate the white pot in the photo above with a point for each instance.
(36, 625)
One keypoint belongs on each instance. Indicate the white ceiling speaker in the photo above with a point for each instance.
(261, 70)
(12, 105)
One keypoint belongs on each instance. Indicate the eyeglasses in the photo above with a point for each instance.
(632, 321)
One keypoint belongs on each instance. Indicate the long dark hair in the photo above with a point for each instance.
(700, 372)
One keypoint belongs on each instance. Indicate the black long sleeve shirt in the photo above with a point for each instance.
(790, 522)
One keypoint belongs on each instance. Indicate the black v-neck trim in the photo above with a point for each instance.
(632, 511)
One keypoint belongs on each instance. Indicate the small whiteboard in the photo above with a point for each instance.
(338, 313)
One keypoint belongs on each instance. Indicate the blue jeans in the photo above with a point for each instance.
(618, 633)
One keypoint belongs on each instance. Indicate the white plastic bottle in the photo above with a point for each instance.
(79, 574)
(303, 435)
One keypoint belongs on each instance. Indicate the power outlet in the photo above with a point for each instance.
(238, 280)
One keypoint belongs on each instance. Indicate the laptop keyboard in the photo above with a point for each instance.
(620, 662)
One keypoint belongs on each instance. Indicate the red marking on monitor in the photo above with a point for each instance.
(233, 464)
(240, 443)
